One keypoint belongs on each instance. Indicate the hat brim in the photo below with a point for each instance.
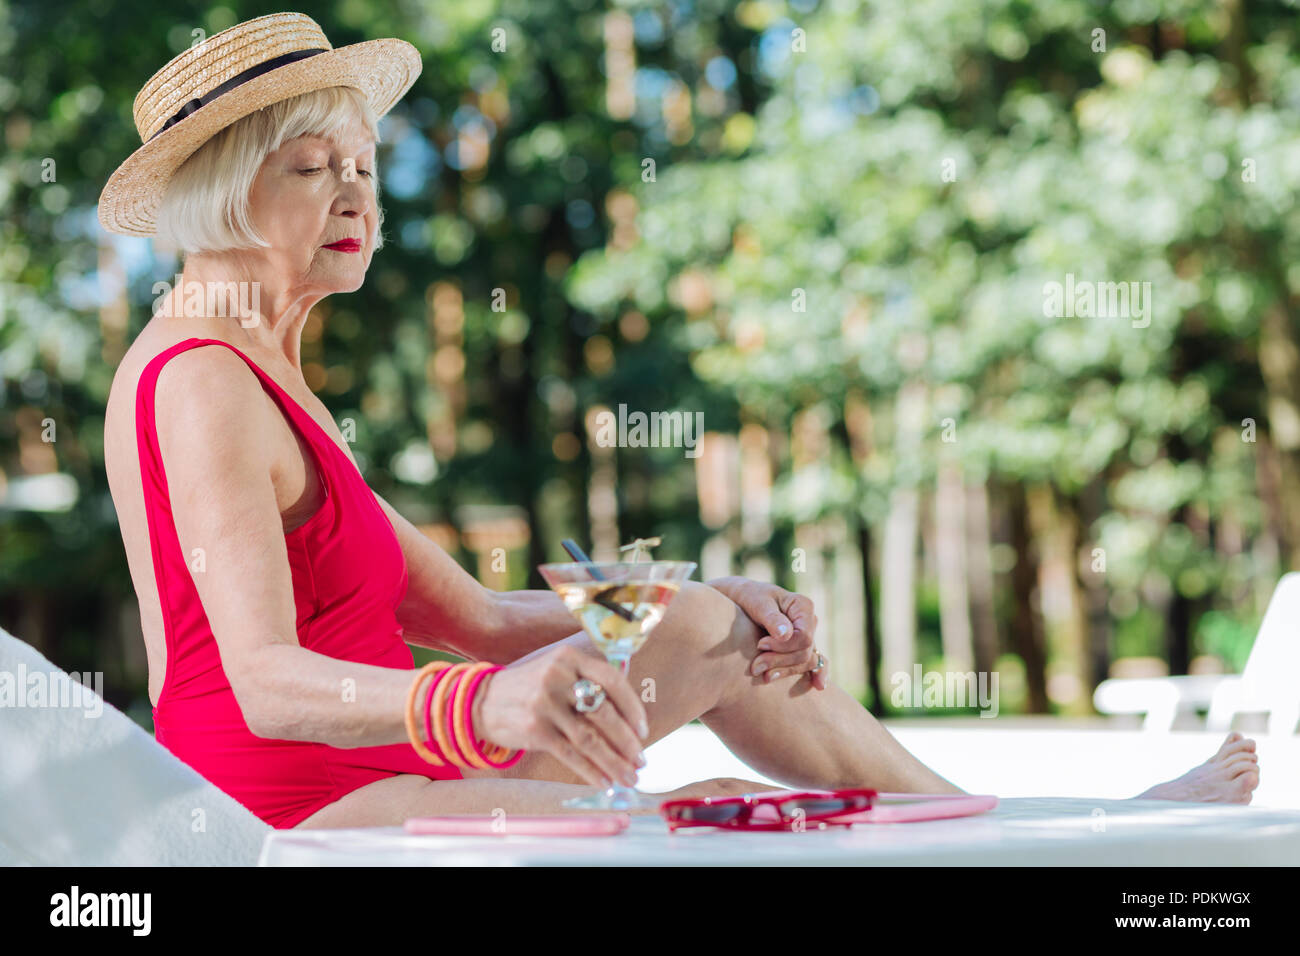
(383, 70)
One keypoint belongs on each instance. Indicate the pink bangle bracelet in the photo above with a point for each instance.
(492, 759)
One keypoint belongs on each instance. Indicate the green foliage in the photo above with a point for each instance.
(914, 177)
(922, 173)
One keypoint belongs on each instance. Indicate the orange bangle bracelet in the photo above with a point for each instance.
(459, 755)
(429, 724)
(458, 723)
(440, 730)
(434, 668)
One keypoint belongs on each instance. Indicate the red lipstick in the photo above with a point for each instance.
(345, 245)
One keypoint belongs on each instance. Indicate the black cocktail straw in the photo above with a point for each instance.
(575, 552)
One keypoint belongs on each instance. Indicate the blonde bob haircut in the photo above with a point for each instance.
(205, 205)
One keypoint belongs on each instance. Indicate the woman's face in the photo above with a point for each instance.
(311, 193)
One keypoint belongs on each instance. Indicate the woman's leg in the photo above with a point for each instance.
(696, 665)
(393, 800)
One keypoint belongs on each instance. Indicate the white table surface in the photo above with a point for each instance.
(1014, 757)
(1034, 831)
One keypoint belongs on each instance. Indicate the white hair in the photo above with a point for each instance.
(205, 205)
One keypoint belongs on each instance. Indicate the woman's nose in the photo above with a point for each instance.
(354, 196)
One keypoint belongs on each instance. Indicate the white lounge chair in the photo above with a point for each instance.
(1269, 683)
(84, 790)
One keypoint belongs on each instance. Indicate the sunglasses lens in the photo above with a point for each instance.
(823, 806)
(716, 813)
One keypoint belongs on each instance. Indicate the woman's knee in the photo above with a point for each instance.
(709, 622)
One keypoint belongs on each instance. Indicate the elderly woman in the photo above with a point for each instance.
(278, 593)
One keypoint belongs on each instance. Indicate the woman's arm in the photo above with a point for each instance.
(219, 460)
(219, 468)
(447, 609)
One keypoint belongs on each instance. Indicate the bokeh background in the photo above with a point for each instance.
(827, 225)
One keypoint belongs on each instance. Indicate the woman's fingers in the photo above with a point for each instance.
(799, 609)
(772, 666)
(608, 736)
(618, 691)
(616, 731)
(787, 652)
(531, 705)
(558, 746)
(583, 734)
(820, 678)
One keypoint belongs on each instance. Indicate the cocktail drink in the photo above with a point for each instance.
(618, 604)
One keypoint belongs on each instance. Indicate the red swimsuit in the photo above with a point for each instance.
(349, 576)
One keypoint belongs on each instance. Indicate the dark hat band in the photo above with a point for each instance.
(237, 80)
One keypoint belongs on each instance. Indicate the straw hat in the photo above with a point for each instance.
(228, 76)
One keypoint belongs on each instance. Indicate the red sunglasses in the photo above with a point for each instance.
(771, 810)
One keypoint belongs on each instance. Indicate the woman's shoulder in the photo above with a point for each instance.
(191, 382)
(206, 401)
(155, 339)
(212, 421)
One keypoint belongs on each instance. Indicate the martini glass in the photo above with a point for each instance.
(618, 604)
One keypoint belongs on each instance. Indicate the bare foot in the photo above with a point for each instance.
(1230, 776)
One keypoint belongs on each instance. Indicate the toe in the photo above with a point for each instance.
(1228, 741)
(1241, 764)
(1239, 746)
(1246, 785)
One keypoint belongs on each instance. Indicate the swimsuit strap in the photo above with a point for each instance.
(145, 424)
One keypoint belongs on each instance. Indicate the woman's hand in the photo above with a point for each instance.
(530, 705)
(790, 623)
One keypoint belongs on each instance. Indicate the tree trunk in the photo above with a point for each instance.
(872, 627)
(1178, 621)
(1026, 635)
(1092, 571)
(950, 557)
(1055, 527)
(979, 575)
(1279, 363)
(898, 561)
(898, 583)
(844, 640)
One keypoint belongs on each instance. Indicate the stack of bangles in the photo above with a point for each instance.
(448, 718)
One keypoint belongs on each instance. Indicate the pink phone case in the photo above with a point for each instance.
(602, 824)
(911, 807)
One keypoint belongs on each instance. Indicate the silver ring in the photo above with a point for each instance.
(821, 662)
(587, 696)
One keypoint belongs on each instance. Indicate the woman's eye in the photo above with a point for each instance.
(317, 169)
